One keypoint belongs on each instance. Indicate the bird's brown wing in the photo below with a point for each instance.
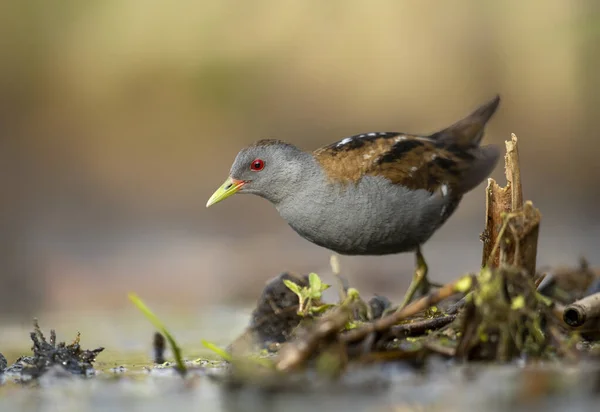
(449, 157)
(415, 162)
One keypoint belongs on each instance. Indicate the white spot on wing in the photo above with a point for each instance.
(372, 134)
(399, 138)
(444, 190)
(344, 141)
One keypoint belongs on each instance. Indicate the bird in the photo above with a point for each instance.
(377, 193)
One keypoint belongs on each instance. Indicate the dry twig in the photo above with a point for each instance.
(294, 354)
(419, 327)
(461, 285)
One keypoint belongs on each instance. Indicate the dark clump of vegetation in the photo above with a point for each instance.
(276, 314)
(47, 354)
(3, 363)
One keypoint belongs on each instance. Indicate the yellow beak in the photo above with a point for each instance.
(230, 187)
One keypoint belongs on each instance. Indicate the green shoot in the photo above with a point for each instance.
(308, 295)
(161, 328)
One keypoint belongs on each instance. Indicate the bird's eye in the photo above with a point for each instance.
(257, 165)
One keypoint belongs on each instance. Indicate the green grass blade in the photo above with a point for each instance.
(161, 328)
(214, 348)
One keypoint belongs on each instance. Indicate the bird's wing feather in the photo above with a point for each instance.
(468, 131)
(415, 162)
(451, 157)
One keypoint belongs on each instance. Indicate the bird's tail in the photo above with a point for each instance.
(468, 132)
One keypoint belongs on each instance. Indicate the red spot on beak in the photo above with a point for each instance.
(238, 183)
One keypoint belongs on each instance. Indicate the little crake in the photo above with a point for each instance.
(370, 194)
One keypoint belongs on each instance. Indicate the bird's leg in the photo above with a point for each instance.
(419, 281)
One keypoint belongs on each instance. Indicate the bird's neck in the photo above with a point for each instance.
(307, 181)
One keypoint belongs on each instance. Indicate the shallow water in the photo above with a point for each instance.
(124, 380)
(377, 389)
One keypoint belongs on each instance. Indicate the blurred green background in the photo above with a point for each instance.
(119, 118)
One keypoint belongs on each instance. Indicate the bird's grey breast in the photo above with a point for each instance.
(371, 217)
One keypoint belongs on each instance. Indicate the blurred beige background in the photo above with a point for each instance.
(118, 120)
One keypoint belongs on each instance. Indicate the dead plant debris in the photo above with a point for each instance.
(48, 354)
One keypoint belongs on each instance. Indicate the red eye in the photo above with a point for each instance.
(257, 165)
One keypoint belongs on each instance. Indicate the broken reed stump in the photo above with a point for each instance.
(584, 310)
(511, 227)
